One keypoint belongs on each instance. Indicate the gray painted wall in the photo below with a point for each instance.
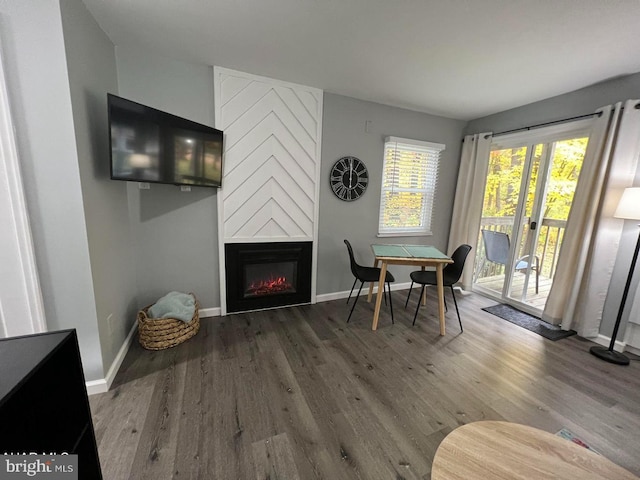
(581, 102)
(92, 72)
(343, 133)
(57, 98)
(175, 233)
(38, 84)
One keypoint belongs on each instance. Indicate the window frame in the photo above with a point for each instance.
(431, 152)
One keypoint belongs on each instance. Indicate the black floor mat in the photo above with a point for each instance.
(531, 323)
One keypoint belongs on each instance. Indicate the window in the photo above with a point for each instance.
(409, 178)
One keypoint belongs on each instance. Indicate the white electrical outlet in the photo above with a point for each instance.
(144, 186)
(185, 188)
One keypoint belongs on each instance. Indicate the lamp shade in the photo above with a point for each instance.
(629, 205)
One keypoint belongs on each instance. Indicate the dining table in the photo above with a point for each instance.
(414, 255)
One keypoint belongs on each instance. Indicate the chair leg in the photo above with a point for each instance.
(456, 304)
(418, 306)
(479, 271)
(356, 301)
(390, 302)
(408, 295)
(352, 287)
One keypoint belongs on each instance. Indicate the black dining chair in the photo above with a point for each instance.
(367, 274)
(450, 276)
(496, 248)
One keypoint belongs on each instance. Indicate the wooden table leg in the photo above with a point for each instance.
(375, 264)
(440, 281)
(376, 313)
(424, 295)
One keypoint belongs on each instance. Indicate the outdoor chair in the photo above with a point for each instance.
(496, 247)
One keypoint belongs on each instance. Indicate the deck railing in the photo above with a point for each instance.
(551, 233)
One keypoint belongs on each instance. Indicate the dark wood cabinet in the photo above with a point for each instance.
(43, 399)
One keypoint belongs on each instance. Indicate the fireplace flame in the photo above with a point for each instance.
(271, 286)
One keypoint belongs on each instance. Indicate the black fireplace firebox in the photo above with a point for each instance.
(267, 275)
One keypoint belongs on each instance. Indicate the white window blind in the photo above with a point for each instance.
(409, 179)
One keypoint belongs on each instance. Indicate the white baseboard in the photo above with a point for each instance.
(604, 341)
(96, 386)
(634, 350)
(103, 385)
(632, 337)
(209, 312)
(327, 297)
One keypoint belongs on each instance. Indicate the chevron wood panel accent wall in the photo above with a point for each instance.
(271, 171)
(271, 158)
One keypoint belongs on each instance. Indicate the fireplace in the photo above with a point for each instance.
(267, 275)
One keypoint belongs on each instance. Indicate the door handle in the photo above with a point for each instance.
(533, 225)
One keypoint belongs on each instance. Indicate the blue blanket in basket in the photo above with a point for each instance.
(177, 305)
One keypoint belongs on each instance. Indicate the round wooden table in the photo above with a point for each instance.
(508, 451)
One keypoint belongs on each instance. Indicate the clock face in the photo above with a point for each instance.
(349, 178)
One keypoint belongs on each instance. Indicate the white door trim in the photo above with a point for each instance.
(21, 306)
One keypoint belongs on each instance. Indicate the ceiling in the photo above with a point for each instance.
(461, 59)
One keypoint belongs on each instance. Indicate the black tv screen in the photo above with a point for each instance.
(148, 145)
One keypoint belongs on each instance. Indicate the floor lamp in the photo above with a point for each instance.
(629, 209)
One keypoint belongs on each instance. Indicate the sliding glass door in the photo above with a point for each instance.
(529, 190)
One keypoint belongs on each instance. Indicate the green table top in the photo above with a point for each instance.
(407, 251)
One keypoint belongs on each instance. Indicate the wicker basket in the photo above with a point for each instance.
(161, 333)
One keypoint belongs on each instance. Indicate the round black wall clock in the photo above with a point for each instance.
(348, 178)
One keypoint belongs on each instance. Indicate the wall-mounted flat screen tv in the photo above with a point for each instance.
(148, 145)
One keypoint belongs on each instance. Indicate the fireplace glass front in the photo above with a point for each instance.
(269, 279)
(267, 275)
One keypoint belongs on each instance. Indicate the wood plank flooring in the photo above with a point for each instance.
(297, 393)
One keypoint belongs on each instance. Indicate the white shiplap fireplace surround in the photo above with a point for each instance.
(270, 189)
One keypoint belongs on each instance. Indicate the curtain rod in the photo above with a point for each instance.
(563, 120)
(578, 117)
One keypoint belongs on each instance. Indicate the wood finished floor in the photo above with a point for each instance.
(296, 393)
